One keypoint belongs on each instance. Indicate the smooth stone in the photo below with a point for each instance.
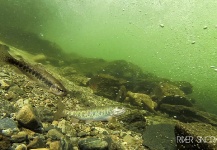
(28, 118)
(36, 143)
(93, 144)
(55, 134)
(20, 137)
(21, 147)
(6, 123)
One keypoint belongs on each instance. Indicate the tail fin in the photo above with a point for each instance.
(4, 54)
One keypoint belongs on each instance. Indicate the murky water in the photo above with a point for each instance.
(175, 40)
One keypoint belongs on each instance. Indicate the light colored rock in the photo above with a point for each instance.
(28, 119)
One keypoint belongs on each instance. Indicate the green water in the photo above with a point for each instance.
(172, 39)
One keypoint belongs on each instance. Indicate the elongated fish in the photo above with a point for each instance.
(34, 72)
(103, 113)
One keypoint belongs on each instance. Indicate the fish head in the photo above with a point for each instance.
(118, 110)
(57, 90)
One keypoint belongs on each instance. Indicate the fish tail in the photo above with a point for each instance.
(4, 54)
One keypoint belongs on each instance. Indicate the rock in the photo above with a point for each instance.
(185, 86)
(129, 139)
(4, 85)
(93, 144)
(195, 136)
(21, 147)
(189, 114)
(82, 134)
(16, 90)
(123, 69)
(169, 94)
(142, 100)
(66, 144)
(4, 142)
(28, 118)
(6, 123)
(37, 142)
(55, 134)
(8, 126)
(159, 137)
(146, 85)
(20, 137)
(10, 95)
(107, 86)
(134, 121)
(56, 145)
(114, 143)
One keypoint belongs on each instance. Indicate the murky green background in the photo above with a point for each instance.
(173, 39)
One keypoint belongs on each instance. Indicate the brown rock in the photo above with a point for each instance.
(142, 100)
(170, 94)
(189, 114)
(56, 145)
(107, 86)
(28, 118)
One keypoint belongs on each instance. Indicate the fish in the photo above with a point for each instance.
(100, 113)
(34, 72)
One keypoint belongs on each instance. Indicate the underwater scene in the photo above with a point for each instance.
(108, 75)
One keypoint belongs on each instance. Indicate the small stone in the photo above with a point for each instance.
(10, 95)
(82, 134)
(62, 125)
(21, 147)
(56, 145)
(129, 139)
(8, 126)
(93, 144)
(20, 137)
(55, 134)
(36, 143)
(4, 143)
(28, 119)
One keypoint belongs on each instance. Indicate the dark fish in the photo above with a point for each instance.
(33, 72)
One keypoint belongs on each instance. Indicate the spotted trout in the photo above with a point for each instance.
(102, 113)
(33, 72)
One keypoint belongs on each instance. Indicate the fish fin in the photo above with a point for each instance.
(60, 111)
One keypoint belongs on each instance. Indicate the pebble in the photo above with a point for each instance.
(4, 85)
(20, 137)
(8, 126)
(93, 144)
(56, 145)
(36, 143)
(129, 139)
(21, 147)
(27, 118)
(55, 134)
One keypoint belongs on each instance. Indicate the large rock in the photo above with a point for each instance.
(197, 136)
(141, 100)
(159, 137)
(170, 94)
(189, 114)
(123, 69)
(108, 86)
